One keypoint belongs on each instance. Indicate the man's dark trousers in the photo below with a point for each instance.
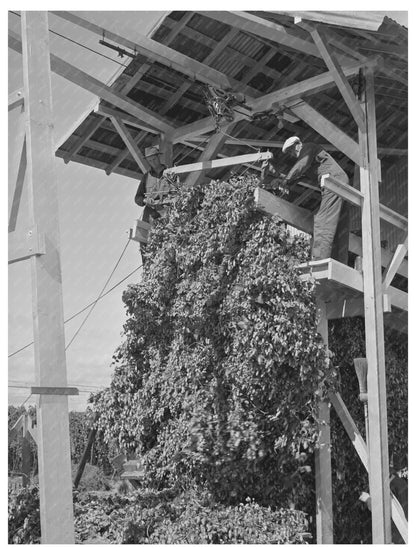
(331, 228)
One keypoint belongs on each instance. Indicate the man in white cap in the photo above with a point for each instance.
(330, 225)
(153, 185)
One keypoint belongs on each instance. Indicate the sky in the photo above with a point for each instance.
(95, 212)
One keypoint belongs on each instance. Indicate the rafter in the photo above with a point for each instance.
(336, 72)
(129, 141)
(93, 85)
(156, 51)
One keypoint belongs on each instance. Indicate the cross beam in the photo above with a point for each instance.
(220, 163)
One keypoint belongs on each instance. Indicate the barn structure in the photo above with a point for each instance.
(335, 78)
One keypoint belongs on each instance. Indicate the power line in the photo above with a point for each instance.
(85, 308)
(101, 292)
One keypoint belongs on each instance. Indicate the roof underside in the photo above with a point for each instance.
(256, 66)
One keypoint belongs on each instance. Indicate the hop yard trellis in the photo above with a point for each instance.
(155, 97)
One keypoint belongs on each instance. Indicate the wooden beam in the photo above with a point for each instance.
(303, 219)
(219, 163)
(16, 98)
(263, 28)
(157, 52)
(93, 85)
(134, 150)
(18, 181)
(391, 270)
(374, 333)
(109, 111)
(343, 142)
(25, 244)
(304, 88)
(93, 125)
(338, 75)
(212, 148)
(360, 447)
(54, 454)
(323, 473)
(370, 21)
(354, 196)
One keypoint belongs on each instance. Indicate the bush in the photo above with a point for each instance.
(193, 517)
(24, 516)
(93, 479)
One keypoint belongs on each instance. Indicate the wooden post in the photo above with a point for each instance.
(55, 484)
(373, 310)
(86, 453)
(323, 477)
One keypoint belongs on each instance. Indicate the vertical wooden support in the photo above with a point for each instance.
(25, 453)
(323, 476)
(374, 333)
(55, 485)
(166, 148)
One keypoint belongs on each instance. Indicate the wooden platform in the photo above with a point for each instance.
(341, 288)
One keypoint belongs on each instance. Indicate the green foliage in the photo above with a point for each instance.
(165, 517)
(15, 445)
(352, 519)
(24, 517)
(93, 478)
(218, 375)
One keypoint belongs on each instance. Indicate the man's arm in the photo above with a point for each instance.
(305, 160)
(141, 190)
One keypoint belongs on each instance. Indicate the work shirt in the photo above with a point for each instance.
(314, 162)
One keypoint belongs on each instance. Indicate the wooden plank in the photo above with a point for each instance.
(394, 265)
(373, 303)
(87, 452)
(16, 98)
(140, 231)
(304, 88)
(53, 390)
(326, 129)
(109, 111)
(211, 150)
(303, 219)
(54, 456)
(219, 163)
(361, 449)
(93, 85)
(134, 150)
(93, 125)
(157, 52)
(323, 473)
(18, 183)
(338, 75)
(263, 28)
(25, 244)
(354, 196)
(370, 21)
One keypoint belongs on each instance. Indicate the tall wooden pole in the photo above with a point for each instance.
(374, 332)
(55, 486)
(323, 476)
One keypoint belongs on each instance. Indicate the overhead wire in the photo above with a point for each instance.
(85, 307)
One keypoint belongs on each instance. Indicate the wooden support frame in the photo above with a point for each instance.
(93, 85)
(302, 219)
(354, 196)
(337, 73)
(25, 244)
(134, 150)
(373, 305)
(323, 473)
(155, 51)
(394, 265)
(19, 179)
(140, 231)
(16, 98)
(360, 447)
(55, 483)
(219, 163)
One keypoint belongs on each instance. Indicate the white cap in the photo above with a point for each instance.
(290, 142)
